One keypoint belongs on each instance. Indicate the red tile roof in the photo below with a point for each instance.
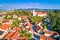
(4, 27)
(46, 31)
(41, 13)
(11, 33)
(24, 17)
(42, 37)
(8, 36)
(13, 29)
(5, 21)
(31, 28)
(18, 28)
(15, 35)
(3, 14)
(45, 37)
(50, 32)
(21, 38)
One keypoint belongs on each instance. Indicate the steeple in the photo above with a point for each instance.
(34, 13)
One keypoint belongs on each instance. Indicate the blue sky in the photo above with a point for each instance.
(24, 4)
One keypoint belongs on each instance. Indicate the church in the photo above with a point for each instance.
(39, 13)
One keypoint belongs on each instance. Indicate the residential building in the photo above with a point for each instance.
(4, 29)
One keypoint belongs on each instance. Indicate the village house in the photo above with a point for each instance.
(49, 33)
(39, 13)
(7, 22)
(38, 26)
(25, 20)
(13, 34)
(4, 29)
(15, 16)
(43, 37)
(20, 24)
(21, 38)
(19, 18)
(28, 27)
(1, 18)
(3, 14)
(23, 17)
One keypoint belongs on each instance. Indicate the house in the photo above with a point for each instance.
(19, 18)
(23, 17)
(28, 26)
(10, 22)
(49, 33)
(2, 12)
(1, 18)
(4, 29)
(13, 34)
(21, 38)
(39, 13)
(7, 22)
(42, 37)
(39, 24)
(26, 20)
(15, 16)
(9, 35)
(20, 24)
(18, 28)
(49, 38)
(26, 23)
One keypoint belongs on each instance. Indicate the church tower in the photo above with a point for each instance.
(34, 13)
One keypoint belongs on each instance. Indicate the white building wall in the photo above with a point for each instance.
(34, 13)
(42, 15)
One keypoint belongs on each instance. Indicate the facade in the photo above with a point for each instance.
(39, 13)
(34, 13)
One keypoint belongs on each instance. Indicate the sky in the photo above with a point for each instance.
(25, 4)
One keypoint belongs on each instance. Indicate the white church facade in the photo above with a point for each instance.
(39, 13)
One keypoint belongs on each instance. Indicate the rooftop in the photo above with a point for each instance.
(40, 13)
(4, 27)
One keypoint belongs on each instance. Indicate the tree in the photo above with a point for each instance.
(33, 19)
(25, 33)
(55, 20)
(0, 24)
(15, 23)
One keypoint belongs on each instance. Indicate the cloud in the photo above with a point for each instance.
(25, 5)
(31, 5)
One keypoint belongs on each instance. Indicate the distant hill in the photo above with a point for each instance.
(9, 8)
